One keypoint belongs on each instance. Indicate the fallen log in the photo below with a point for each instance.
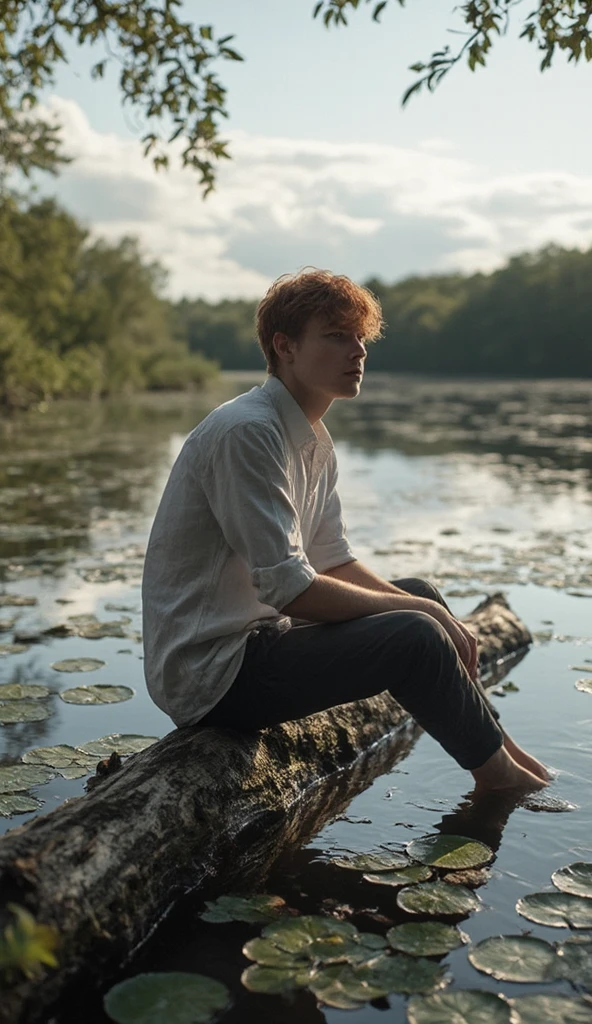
(200, 806)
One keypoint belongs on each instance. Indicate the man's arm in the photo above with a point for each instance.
(358, 574)
(333, 600)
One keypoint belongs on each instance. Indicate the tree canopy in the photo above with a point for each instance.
(169, 67)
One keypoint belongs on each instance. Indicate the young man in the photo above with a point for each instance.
(248, 542)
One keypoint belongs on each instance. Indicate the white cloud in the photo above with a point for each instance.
(282, 203)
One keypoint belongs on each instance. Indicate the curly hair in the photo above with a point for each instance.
(293, 299)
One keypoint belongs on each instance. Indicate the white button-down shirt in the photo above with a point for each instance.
(249, 516)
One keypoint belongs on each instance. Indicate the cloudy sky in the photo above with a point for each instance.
(327, 169)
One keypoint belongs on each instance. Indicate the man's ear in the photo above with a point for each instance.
(283, 347)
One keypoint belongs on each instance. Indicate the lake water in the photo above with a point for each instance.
(478, 485)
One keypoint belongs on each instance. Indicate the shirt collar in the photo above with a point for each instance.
(300, 431)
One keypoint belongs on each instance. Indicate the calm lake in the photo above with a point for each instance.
(478, 485)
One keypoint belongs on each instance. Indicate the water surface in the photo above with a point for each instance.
(481, 486)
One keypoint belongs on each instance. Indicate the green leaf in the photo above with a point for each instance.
(464, 1006)
(556, 909)
(552, 1009)
(273, 980)
(574, 961)
(174, 997)
(414, 873)
(60, 757)
(436, 898)
(403, 974)
(575, 878)
(444, 851)
(17, 803)
(309, 934)
(428, 938)
(373, 862)
(7, 649)
(254, 909)
(23, 691)
(18, 778)
(78, 665)
(514, 958)
(26, 945)
(340, 987)
(266, 953)
(98, 694)
(23, 711)
(128, 743)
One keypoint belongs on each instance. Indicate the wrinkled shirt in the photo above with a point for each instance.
(249, 516)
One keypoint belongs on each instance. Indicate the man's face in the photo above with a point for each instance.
(328, 359)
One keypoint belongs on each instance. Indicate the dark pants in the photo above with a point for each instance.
(292, 674)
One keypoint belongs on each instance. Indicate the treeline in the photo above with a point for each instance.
(86, 318)
(78, 318)
(531, 318)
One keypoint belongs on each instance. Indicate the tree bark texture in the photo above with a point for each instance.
(200, 808)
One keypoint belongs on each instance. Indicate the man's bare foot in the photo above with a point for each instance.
(501, 771)
(526, 760)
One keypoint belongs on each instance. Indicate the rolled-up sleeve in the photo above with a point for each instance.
(248, 491)
(329, 546)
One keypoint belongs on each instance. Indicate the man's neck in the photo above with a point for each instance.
(313, 405)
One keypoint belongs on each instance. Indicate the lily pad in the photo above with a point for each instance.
(16, 601)
(340, 986)
(17, 803)
(471, 877)
(556, 909)
(123, 745)
(6, 625)
(413, 873)
(23, 691)
(266, 953)
(464, 1006)
(515, 958)
(6, 649)
(75, 772)
(585, 685)
(373, 862)
(274, 980)
(78, 665)
(23, 711)
(98, 694)
(176, 997)
(552, 1009)
(60, 757)
(99, 630)
(426, 938)
(310, 934)
(252, 909)
(576, 878)
(17, 778)
(402, 974)
(437, 898)
(574, 961)
(442, 851)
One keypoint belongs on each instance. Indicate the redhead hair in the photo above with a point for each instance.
(293, 299)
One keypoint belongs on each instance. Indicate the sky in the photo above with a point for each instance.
(327, 168)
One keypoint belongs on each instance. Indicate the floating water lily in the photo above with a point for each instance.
(97, 694)
(175, 997)
(443, 851)
(515, 958)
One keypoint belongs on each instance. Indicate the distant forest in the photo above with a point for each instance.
(84, 318)
(531, 318)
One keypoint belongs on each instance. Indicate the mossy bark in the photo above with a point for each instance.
(200, 807)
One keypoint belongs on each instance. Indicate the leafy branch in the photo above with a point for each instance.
(553, 25)
(166, 68)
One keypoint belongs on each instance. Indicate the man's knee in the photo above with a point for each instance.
(419, 587)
